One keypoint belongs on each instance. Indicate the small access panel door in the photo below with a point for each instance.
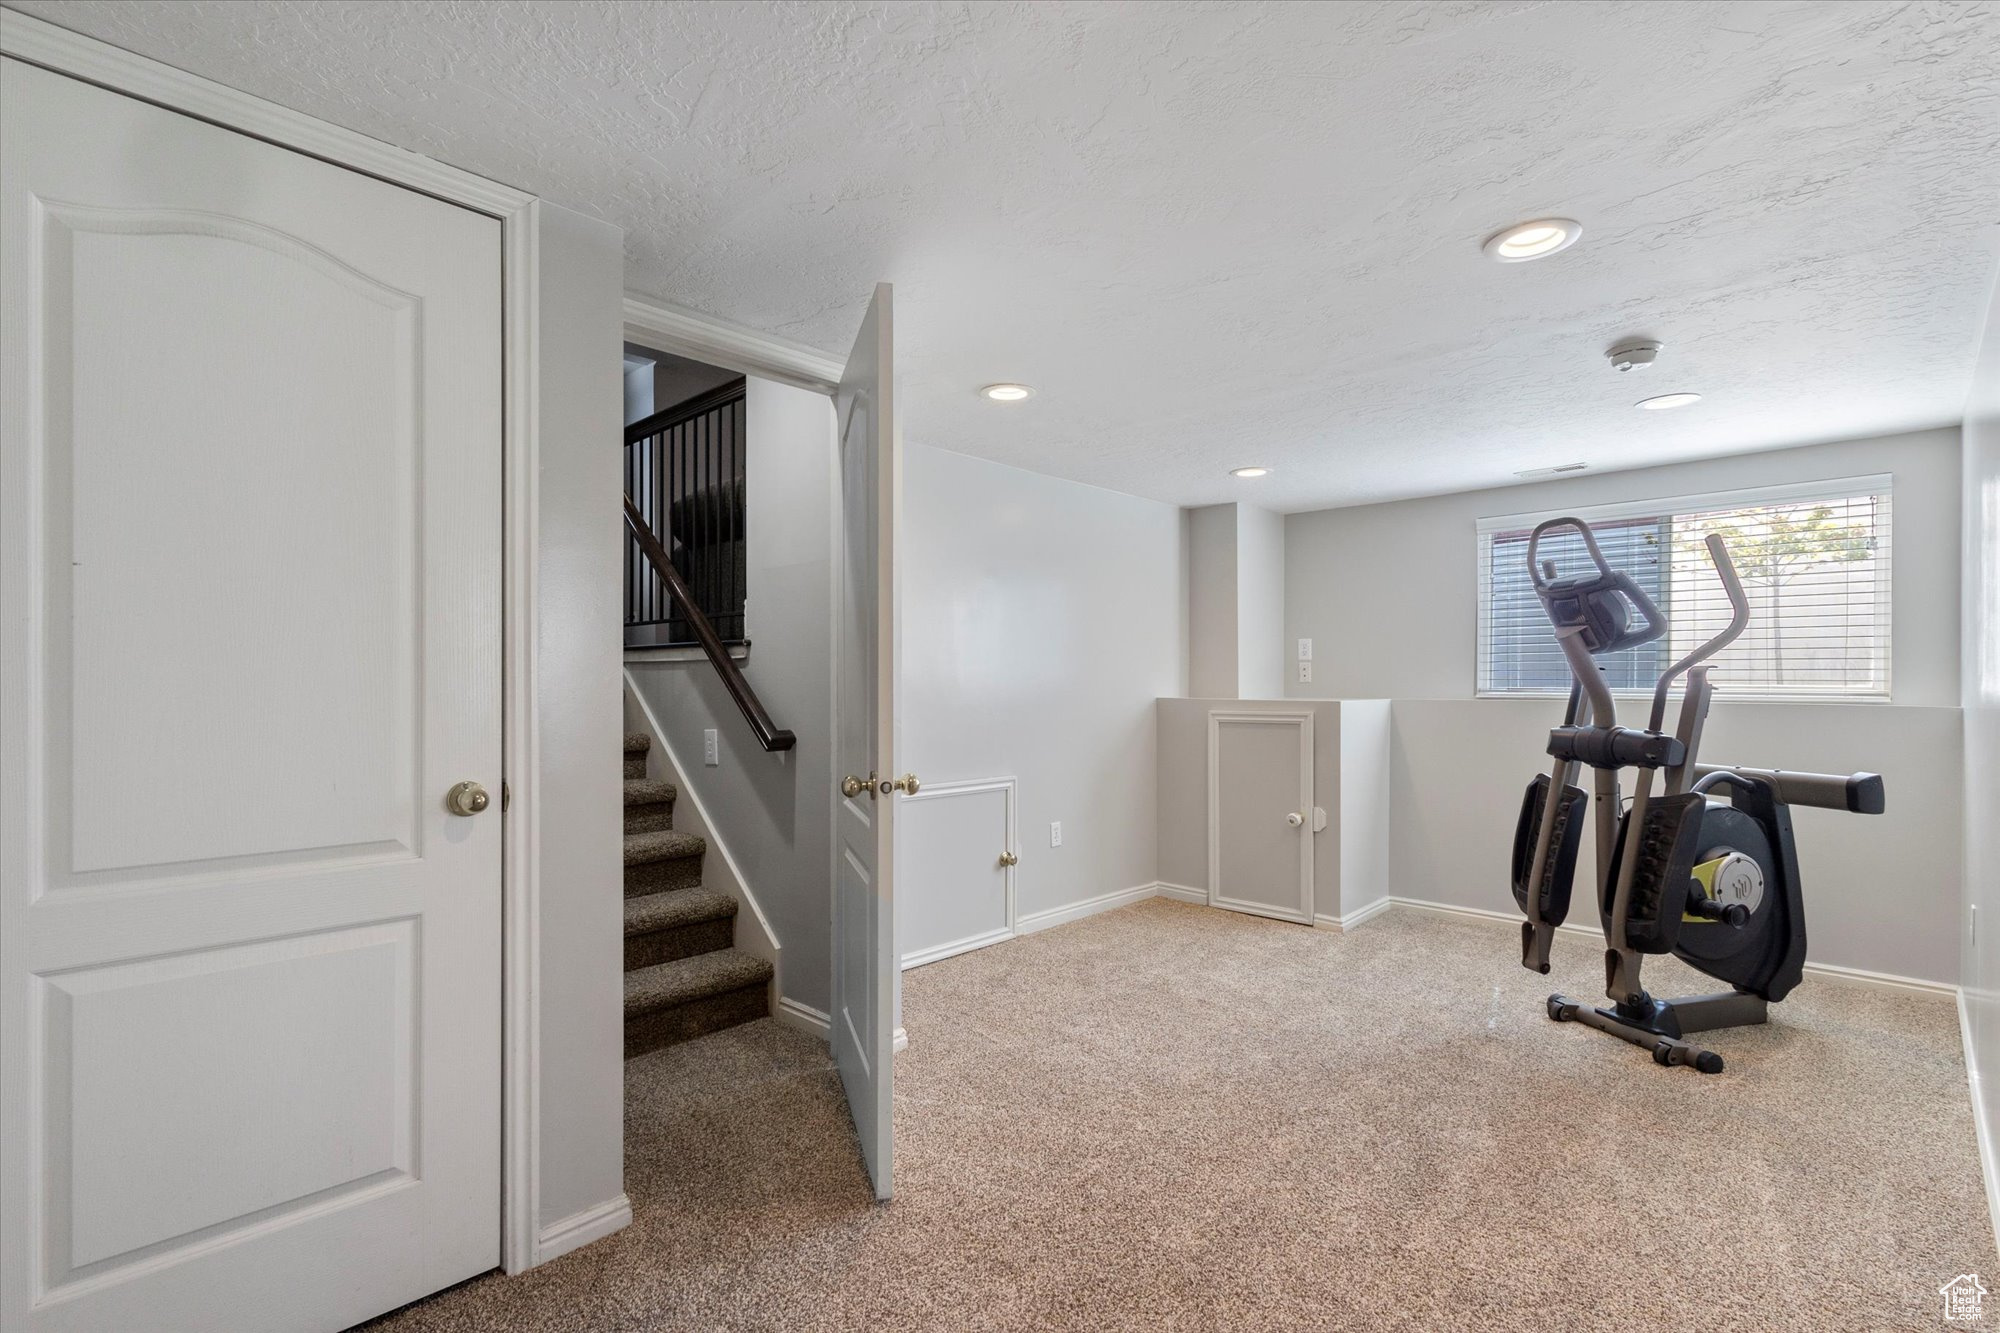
(1260, 814)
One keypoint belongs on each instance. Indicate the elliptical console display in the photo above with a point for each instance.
(1707, 869)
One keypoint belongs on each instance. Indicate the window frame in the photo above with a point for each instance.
(1831, 489)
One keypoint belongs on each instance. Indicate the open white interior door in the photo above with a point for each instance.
(864, 944)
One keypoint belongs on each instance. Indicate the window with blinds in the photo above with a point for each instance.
(1815, 564)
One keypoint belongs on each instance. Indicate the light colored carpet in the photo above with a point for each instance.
(1173, 1118)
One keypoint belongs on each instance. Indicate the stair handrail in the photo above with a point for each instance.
(769, 734)
(645, 428)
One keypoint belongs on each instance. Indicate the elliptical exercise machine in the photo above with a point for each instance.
(1716, 884)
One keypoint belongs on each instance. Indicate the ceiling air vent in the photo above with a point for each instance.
(1557, 471)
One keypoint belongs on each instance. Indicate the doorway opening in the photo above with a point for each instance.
(686, 464)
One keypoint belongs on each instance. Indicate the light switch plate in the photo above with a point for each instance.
(1305, 650)
(711, 748)
(1055, 834)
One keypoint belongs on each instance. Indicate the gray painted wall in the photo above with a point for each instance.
(1387, 593)
(1183, 790)
(1260, 603)
(1881, 891)
(638, 387)
(658, 380)
(1041, 618)
(577, 803)
(1981, 677)
(1212, 655)
(773, 811)
(1365, 814)
(1236, 602)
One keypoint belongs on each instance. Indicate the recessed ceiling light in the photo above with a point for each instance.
(1667, 400)
(1007, 393)
(1249, 472)
(1533, 240)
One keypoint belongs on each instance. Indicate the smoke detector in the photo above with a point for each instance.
(1633, 354)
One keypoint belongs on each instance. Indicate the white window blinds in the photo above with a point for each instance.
(1814, 560)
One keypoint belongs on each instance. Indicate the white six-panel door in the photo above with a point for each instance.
(250, 517)
(862, 1024)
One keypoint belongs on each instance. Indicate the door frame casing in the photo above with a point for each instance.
(37, 42)
(1010, 790)
(665, 327)
(1303, 720)
(662, 326)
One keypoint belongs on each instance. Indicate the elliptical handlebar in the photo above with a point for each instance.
(1592, 605)
(1739, 620)
(1535, 570)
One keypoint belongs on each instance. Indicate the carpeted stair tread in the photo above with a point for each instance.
(637, 742)
(665, 845)
(649, 791)
(686, 980)
(677, 907)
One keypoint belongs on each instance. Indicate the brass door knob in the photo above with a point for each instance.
(467, 798)
(907, 784)
(851, 786)
(1009, 859)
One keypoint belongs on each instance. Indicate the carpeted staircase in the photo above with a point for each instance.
(683, 978)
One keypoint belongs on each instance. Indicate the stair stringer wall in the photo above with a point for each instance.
(719, 871)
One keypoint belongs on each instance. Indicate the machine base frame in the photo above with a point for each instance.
(1660, 1025)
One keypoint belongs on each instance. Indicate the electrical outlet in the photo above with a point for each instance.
(711, 748)
(1305, 650)
(1055, 834)
(1305, 670)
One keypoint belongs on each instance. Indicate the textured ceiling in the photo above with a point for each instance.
(1223, 234)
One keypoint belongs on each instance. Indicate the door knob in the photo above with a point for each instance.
(467, 798)
(1009, 859)
(907, 784)
(851, 786)
(1295, 819)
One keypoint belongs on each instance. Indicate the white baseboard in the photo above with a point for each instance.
(579, 1229)
(1370, 911)
(1830, 971)
(1187, 893)
(1106, 902)
(809, 1020)
(804, 1017)
(1982, 1127)
(1381, 905)
(1363, 913)
(939, 952)
(1861, 976)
